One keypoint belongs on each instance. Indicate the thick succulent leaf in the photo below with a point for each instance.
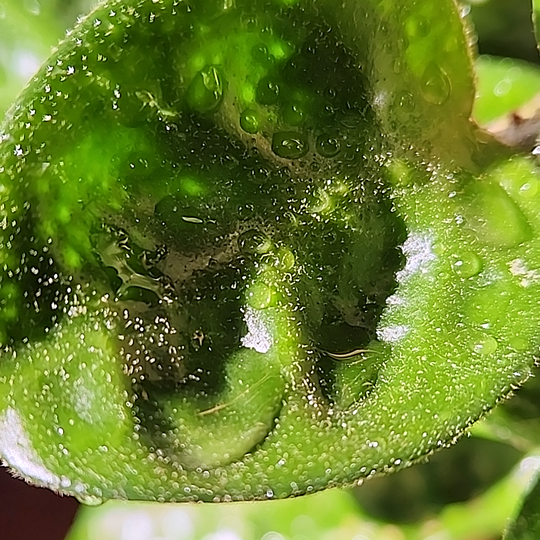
(254, 249)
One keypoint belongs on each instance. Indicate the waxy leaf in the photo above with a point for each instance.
(254, 249)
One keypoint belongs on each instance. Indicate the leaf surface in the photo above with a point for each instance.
(256, 249)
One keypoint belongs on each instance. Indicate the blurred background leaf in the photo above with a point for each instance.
(503, 85)
(504, 28)
(527, 524)
(29, 29)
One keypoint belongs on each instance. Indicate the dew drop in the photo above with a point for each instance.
(467, 265)
(519, 344)
(328, 145)
(293, 114)
(260, 54)
(260, 296)
(249, 121)
(89, 500)
(205, 92)
(254, 241)
(406, 101)
(529, 189)
(486, 203)
(286, 260)
(398, 66)
(290, 145)
(486, 345)
(436, 85)
(268, 91)
(417, 27)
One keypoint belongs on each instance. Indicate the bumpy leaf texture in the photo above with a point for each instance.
(254, 249)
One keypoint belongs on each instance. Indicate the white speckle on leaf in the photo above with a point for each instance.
(17, 451)
(418, 250)
(84, 402)
(519, 268)
(392, 334)
(395, 300)
(258, 336)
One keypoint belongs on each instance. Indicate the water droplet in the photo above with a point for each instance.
(290, 145)
(503, 87)
(529, 189)
(89, 500)
(206, 90)
(400, 173)
(192, 219)
(486, 345)
(249, 121)
(328, 145)
(293, 114)
(286, 259)
(436, 85)
(260, 296)
(33, 7)
(268, 91)
(519, 344)
(417, 27)
(467, 265)
(406, 101)
(398, 65)
(137, 165)
(254, 241)
(260, 54)
(323, 204)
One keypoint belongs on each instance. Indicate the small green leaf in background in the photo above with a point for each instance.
(527, 524)
(29, 29)
(330, 515)
(536, 19)
(503, 85)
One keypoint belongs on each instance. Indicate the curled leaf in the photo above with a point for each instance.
(256, 249)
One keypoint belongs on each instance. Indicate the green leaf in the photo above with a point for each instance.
(536, 19)
(27, 41)
(29, 30)
(527, 524)
(504, 85)
(256, 249)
